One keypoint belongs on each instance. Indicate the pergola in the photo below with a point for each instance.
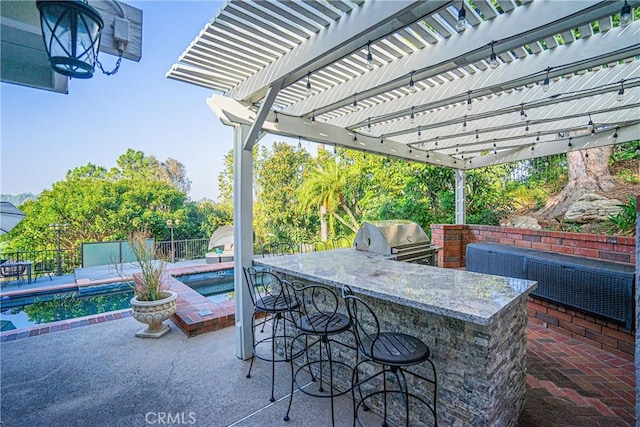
(457, 84)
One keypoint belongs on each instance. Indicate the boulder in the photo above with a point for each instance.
(592, 208)
(523, 222)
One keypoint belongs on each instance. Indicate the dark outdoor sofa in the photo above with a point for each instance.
(600, 288)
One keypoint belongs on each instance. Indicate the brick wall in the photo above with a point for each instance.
(453, 240)
(600, 333)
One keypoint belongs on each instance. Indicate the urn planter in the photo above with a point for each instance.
(154, 313)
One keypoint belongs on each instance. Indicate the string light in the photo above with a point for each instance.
(276, 122)
(590, 125)
(620, 96)
(419, 133)
(464, 124)
(354, 106)
(313, 118)
(412, 117)
(369, 57)
(523, 115)
(546, 83)
(538, 137)
(625, 14)
(527, 128)
(615, 134)
(469, 106)
(308, 83)
(460, 24)
(299, 143)
(412, 84)
(493, 59)
(477, 136)
(369, 123)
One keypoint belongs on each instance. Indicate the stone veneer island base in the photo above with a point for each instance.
(475, 325)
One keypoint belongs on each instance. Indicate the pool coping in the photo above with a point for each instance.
(195, 314)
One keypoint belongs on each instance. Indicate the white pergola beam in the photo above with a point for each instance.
(619, 45)
(370, 21)
(530, 24)
(256, 127)
(625, 134)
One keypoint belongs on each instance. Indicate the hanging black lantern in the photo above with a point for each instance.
(71, 32)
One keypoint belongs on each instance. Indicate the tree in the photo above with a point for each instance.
(588, 172)
(324, 189)
(134, 164)
(278, 177)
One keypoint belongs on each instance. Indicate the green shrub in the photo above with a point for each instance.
(624, 222)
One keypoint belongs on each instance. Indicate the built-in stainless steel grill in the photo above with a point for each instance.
(398, 240)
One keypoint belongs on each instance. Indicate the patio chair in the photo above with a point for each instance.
(393, 352)
(319, 325)
(273, 300)
(13, 271)
(44, 267)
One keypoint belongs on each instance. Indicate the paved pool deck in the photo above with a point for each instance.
(93, 371)
(102, 375)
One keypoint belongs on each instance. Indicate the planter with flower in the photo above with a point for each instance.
(153, 302)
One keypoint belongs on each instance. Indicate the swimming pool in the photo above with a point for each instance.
(26, 311)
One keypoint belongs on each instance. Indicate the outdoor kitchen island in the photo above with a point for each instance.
(474, 324)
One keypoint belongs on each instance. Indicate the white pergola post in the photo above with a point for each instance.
(461, 207)
(242, 238)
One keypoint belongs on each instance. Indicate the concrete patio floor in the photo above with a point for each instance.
(101, 375)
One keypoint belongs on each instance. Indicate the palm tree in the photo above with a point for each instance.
(323, 188)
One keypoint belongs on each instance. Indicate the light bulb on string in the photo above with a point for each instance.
(369, 57)
(625, 14)
(412, 84)
(620, 96)
(493, 59)
(460, 23)
(546, 83)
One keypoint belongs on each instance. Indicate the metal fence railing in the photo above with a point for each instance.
(182, 250)
(71, 258)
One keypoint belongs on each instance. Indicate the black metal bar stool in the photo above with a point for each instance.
(272, 299)
(393, 352)
(317, 326)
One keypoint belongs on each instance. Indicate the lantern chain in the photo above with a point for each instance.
(115, 70)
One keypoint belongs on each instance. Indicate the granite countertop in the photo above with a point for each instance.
(472, 297)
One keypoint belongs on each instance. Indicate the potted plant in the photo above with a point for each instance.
(153, 302)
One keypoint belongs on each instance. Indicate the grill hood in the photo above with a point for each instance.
(385, 237)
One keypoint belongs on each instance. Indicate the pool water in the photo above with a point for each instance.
(26, 311)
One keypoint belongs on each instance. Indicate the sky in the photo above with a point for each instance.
(45, 134)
